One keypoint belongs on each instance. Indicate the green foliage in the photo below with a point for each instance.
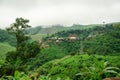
(46, 54)
(72, 47)
(97, 40)
(78, 32)
(38, 32)
(7, 38)
(96, 71)
(10, 66)
(18, 29)
(4, 48)
(42, 77)
(17, 76)
(54, 52)
(15, 60)
(107, 43)
(27, 57)
(56, 28)
(28, 50)
(20, 76)
(69, 66)
(1, 62)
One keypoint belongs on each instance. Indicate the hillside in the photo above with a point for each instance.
(39, 32)
(37, 37)
(98, 40)
(73, 54)
(103, 41)
(69, 66)
(4, 48)
(6, 37)
(58, 28)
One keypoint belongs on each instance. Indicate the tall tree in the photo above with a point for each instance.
(18, 29)
(15, 59)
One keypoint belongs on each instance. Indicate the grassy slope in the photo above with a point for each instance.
(4, 48)
(38, 37)
(70, 65)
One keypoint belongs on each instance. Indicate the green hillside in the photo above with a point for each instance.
(77, 52)
(38, 37)
(46, 54)
(97, 40)
(4, 48)
(6, 37)
(38, 32)
(69, 66)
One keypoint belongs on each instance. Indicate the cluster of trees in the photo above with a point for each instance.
(15, 60)
(106, 44)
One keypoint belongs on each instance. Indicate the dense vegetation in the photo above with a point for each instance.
(4, 48)
(15, 60)
(98, 40)
(107, 43)
(79, 67)
(92, 55)
(39, 32)
(45, 55)
(6, 37)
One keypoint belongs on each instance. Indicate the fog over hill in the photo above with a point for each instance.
(64, 12)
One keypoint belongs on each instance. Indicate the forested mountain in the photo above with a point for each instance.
(56, 28)
(105, 43)
(68, 53)
(97, 40)
(96, 43)
(37, 33)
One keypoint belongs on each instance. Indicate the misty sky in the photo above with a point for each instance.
(65, 12)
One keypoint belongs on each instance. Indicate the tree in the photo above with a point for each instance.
(18, 29)
(15, 60)
(24, 49)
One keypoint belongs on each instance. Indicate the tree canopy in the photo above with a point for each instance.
(18, 29)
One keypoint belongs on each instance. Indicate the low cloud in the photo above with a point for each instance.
(65, 12)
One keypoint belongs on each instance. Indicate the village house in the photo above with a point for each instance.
(73, 37)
